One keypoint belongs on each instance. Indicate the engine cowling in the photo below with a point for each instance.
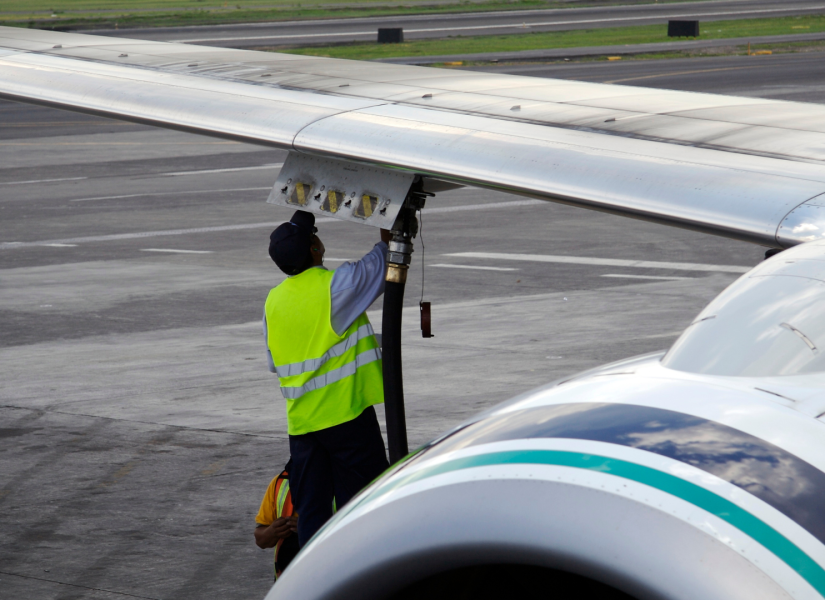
(634, 480)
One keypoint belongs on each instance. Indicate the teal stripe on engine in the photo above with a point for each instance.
(726, 510)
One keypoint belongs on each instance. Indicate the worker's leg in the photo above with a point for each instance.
(357, 454)
(310, 483)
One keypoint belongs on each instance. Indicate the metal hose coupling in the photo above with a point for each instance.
(399, 257)
(397, 273)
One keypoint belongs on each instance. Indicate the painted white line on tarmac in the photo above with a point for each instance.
(172, 250)
(55, 245)
(657, 277)
(605, 262)
(266, 225)
(472, 267)
(372, 32)
(488, 206)
(146, 234)
(232, 170)
(661, 335)
(171, 193)
(43, 180)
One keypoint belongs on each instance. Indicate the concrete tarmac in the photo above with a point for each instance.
(337, 31)
(139, 426)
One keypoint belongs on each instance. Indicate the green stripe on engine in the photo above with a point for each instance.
(754, 527)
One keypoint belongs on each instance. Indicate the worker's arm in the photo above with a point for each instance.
(269, 360)
(267, 536)
(356, 285)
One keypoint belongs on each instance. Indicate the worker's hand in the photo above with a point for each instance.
(264, 537)
(386, 236)
(284, 527)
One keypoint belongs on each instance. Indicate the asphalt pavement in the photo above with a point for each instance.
(140, 426)
(336, 31)
(793, 77)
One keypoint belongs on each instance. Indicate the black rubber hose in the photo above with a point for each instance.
(393, 380)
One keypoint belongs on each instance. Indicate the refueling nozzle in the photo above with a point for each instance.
(404, 230)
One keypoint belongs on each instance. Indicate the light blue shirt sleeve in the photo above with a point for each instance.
(356, 285)
(269, 360)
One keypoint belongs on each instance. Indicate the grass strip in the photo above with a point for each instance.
(643, 34)
(232, 13)
(103, 7)
(67, 15)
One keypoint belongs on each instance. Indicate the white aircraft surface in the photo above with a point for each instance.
(697, 474)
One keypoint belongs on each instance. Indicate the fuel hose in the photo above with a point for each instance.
(399, 254)
(391, 353)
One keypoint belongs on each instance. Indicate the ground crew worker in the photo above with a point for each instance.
(323, 348)
(277, 523)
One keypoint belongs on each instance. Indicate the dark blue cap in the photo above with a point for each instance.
(289, 244)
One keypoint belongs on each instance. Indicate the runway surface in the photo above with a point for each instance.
(140, 426)
(793, 77)
(327, 31)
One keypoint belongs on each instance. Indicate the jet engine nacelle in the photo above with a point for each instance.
(648, 478)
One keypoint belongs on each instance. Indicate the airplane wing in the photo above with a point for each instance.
(744, 168)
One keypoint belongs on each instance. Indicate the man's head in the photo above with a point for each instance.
(294, 246)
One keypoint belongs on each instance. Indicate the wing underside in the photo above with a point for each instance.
(749, 169)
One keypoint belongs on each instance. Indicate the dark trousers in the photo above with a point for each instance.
(335, 462)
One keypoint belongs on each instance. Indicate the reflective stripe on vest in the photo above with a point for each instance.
(283, 490)
(314, 364)
(326, 378)
(333, 376)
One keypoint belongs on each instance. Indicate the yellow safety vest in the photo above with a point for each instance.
(326, 378)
